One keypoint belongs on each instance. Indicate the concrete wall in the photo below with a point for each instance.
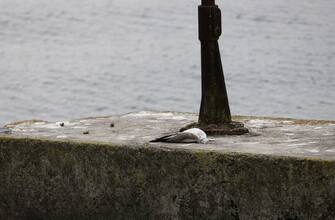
(44, 179)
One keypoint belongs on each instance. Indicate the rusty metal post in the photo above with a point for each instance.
(214, 107)
(214, 117)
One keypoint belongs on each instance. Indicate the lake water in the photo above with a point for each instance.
(65, 59)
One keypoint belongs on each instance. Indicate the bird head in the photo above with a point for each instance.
(203, 140)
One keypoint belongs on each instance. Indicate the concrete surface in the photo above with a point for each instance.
(270, 136)
(284, 169)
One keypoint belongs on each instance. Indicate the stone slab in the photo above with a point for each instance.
(270, 136)
(283, 170)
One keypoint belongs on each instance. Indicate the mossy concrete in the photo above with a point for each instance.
(284, 169)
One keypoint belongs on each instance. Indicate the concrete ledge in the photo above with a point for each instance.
(50, 172)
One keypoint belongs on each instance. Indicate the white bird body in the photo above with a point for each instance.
(193, 135)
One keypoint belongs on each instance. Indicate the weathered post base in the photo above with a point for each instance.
(231, 128)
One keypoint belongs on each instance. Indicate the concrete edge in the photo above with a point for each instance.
(155, 147)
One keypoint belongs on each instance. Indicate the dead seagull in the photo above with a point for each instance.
(193, 135)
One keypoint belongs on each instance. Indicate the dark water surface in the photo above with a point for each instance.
(74, 58)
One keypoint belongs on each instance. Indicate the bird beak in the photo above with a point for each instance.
(210, 140)
(205, 141)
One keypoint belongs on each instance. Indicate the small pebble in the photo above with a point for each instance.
(86, 132)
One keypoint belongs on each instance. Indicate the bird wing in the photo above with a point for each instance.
(180, 137)
(162, 139)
